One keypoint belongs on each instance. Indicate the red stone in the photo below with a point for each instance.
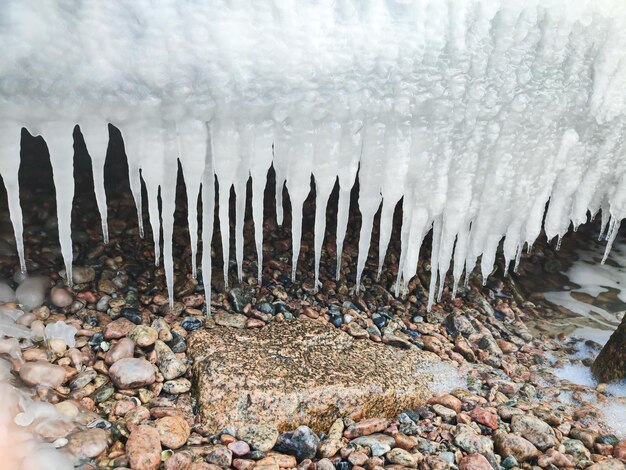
(484, 417)
(474, 462)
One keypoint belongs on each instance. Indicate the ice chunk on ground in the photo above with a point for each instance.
(7, 294)
(61, 330)
(32, 291)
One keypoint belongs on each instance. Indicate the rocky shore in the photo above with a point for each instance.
(132, 382)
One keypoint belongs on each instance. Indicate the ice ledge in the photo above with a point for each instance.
(473, 113)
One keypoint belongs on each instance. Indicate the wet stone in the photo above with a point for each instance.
(132, 314)
(41, 373)
(232, 320)
(177, 386)
(380, 444)
(132, 373)
(219, 455)
(82, 379)
(122, 349)
(143, 336)
(191, 323)
(240, 297)
(534, 430)
(173, 431)
(143, 448)
(301, 443)
(178, 344)
(118, 329)
(89, 443)
(512, 445)
(170, 366)
(260, 437)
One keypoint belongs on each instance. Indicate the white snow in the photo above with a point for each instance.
(473, 113)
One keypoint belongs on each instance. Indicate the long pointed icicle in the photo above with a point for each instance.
(60, 144)
(208, 208)
(260, 164)
(192, 137)
(9, 167)
(96, 136)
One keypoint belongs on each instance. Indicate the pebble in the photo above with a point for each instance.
(41, 373)
(132, 314)
(191, 323)
(173, 431)
(447, 400)
(401, 457)
(260, 436)
(170, 366)
(132, 373)
(143, 336)
(122, 349)
(366, 427)
(60, 297)
(484, 417)
(143, 448)
(534, 430)
(471, 442)
(232, 320)
(219, 455)
(380, 444)
(240, 298)
(89, 443)
(239, 448)
(475, 462)
(81, 274)
(177, 386)
(177, 344)
(301, 443)
(178, 461)
(446, 413)
(118, 328)
(515, 446)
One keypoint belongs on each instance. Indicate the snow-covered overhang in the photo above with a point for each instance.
(473, 113)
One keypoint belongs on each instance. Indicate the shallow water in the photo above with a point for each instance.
(596, 293)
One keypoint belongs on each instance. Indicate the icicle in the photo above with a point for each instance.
(614, 225)
(348, 164)
(208, 207)
(10, 136)
(434, 259)
(168, 203)
(223, 197)
(369, 188)
(96, 136)
(60, 142)
(192, 135)
(240, 211)
(151, 167)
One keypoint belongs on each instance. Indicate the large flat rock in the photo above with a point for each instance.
(302, 372)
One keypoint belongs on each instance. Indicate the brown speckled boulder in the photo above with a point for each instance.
(302, 373)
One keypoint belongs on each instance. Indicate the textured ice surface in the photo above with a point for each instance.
(473, 113)
(61, 330)
(32, 291)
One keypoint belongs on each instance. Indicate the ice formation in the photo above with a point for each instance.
(472, 114)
